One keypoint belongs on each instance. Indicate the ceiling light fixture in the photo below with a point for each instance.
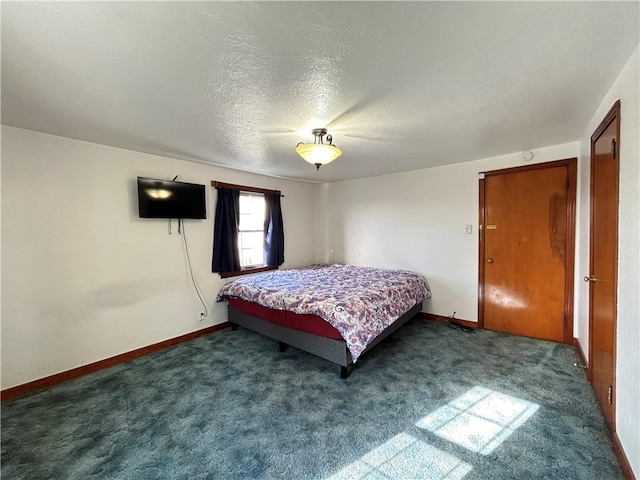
(318, 153)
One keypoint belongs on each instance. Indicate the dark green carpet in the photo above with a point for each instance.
(229, 405)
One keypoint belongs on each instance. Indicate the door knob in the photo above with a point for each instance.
(489, 260)
(592, 278)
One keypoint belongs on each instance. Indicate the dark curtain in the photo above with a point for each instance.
(274, 231)
(226, 257)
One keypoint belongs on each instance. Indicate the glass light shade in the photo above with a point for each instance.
(318, 153)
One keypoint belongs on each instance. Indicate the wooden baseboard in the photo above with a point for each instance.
(441, 319)
(581, 355)
(46, 382)
(625, 466)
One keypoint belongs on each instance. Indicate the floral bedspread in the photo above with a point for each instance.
(360, 302)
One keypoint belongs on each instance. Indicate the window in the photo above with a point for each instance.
(251, 230)
(248, 233)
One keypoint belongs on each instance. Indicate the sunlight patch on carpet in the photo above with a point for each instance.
(480, 420)
(402, 457)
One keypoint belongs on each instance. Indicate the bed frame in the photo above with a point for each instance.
(335, 351)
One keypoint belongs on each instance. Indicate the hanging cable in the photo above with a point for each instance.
(183, 232)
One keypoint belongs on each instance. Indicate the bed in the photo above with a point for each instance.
(337, 312)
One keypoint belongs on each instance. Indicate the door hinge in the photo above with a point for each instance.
(610, 395)
(613, 148)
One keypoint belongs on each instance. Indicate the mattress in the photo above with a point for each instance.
(296, 321)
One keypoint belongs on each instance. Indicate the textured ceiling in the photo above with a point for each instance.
(401, 86)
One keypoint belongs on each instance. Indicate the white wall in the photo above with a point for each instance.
(626, 89)
(83, 278)
(416, 220)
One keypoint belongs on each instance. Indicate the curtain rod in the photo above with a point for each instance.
(244, 188)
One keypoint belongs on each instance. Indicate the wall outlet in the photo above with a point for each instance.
(202, 316)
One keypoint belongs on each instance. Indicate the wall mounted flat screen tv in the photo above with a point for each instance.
(167, 199)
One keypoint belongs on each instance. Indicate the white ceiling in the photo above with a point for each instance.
(401, 86)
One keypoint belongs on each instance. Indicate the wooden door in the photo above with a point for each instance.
(526, 250)
(603, 260)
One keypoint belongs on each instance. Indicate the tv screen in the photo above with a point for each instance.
(167, 199)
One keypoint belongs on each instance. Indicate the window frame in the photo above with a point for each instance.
(248, 189)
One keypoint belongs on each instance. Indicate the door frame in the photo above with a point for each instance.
(572, 177)
(614, 112)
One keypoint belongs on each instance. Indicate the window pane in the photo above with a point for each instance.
(251, 231)
(252, 211)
